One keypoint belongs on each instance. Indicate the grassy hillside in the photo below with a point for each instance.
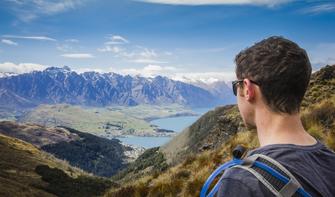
(36, 134)
(192, 165)
(109, 121)
(27, 171)
(91, 153)
(209, 132)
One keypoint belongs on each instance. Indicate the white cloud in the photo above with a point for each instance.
(148, 53)
(31, 9)
(269, 3)
(204, 77)
(78, 55)
(109, 46)
(20, 68)
(322, 54)
(64, 47)
(177, 74)
(150, 70)
(147, 61)
(41, 38)
(9, 42)
(131, 53)
(113, 49)
(327, 7)
(118, 39)
(72, 40)
(82, 70)
(143, 55)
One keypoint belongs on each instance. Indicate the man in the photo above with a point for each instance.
(273, 76)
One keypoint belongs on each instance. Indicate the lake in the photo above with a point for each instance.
(177, 124)
(173, 123)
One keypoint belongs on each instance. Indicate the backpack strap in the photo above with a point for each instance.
(255, 165)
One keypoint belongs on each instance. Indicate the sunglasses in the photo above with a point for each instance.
(236, 82)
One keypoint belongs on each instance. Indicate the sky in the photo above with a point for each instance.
(196, 39)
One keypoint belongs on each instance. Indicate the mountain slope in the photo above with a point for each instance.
(97, 155)
(27, 171)
(193, 164)
(215, 127)
(61, 85)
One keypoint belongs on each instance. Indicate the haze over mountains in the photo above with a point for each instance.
(62, 85)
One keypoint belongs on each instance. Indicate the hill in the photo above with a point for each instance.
(27, 171)
(93, 154)
(191, 162)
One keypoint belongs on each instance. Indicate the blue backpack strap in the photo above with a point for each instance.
(274, 176)
(264, 169)
(217, 172)
(237, 153)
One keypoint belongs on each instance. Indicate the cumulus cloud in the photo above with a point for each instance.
(41, 38)
(177, 74)
(9, 42)
(204, 77)
(269, 3)
(99, 70)
(150, 70)
(78, 55)
(9, 67)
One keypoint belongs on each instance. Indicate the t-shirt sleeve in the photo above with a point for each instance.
(232, 187)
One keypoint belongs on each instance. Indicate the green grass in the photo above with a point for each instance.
(112, 120)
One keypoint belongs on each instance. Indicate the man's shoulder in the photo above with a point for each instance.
(240, 182)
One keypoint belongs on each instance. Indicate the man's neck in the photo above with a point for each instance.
(275, 128)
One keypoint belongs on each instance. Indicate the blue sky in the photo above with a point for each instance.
(197, 39)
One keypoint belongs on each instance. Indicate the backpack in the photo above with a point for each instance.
(267, 170)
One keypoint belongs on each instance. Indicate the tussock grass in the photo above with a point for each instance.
(187, 177)
(319, 121)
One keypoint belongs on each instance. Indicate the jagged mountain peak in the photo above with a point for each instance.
(62, 85)
(58, 69)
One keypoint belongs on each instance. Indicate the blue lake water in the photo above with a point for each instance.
(146, 142)
(179, 123)
(174, 123)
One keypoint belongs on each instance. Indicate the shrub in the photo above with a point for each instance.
(61, 184)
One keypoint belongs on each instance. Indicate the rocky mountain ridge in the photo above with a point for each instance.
(62, 85)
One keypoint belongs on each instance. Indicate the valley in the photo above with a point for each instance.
(108, 122)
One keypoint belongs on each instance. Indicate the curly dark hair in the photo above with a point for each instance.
(281, 68)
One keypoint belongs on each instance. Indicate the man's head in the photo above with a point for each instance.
(279, 70)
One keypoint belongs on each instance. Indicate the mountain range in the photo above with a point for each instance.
(62, 85)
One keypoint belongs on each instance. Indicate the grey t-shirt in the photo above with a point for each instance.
(313, 166)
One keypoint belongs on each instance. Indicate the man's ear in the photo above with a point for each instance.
(249, 90)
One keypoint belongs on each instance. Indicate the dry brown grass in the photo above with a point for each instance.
(187, 178)
(319, 121)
